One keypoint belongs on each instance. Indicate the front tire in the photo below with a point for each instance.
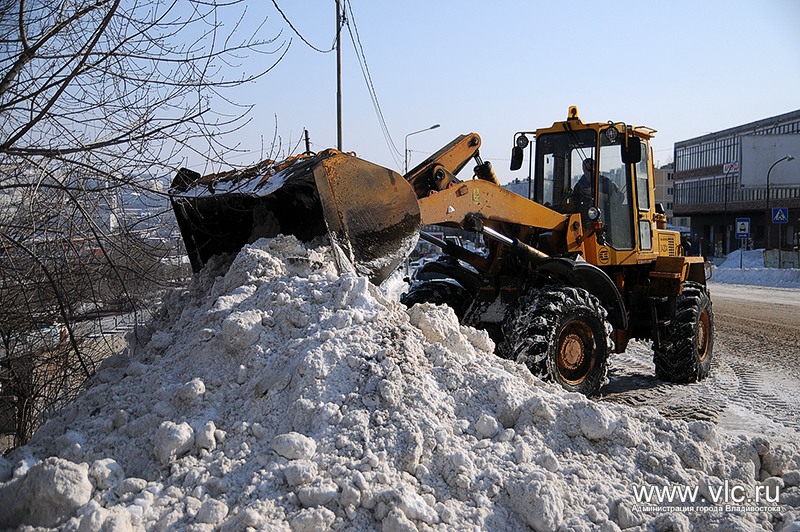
(561, 333)
(685, 355)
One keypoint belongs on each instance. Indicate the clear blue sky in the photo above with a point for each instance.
(685, 68)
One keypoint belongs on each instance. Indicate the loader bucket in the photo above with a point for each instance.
(369, 212)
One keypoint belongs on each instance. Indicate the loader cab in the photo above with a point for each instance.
(585, 170)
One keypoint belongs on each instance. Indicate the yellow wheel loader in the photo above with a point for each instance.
(569, 276)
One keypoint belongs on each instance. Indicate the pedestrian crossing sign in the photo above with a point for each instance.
(780, 215)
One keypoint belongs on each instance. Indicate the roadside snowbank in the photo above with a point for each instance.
(280, 395)
(753, 272)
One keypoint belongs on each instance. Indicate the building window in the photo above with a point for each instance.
(669, 191)
(669, 206)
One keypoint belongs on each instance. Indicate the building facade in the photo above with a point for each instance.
(745, 173)
(665, 190)
(520, 186)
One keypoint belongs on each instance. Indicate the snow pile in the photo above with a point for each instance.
(753, 272)
(282, 396)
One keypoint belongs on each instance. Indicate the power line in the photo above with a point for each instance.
(362, 61)
(486, 158)
(286, 19)
(293, 150)
(373, 92)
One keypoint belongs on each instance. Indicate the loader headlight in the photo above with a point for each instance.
(522, 142)
(611, 134)
(593, 213)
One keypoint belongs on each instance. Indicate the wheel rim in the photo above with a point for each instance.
(703, 335)
(575, 356)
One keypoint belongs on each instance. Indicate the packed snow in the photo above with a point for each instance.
(277, 394)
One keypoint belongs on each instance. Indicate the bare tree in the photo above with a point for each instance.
(96, 97)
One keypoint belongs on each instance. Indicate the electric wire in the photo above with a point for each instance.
(286, 19)
(293, 150)
(362, 61)
(368, 80)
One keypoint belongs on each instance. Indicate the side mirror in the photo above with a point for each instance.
(632, 151)
(516, 158)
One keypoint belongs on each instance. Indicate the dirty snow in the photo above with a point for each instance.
(279, 395)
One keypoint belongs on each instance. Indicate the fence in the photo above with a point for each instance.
(774, 258)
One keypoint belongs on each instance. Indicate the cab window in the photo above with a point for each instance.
(558, 166)
(642, 189)
(615, 195)
(562, 159)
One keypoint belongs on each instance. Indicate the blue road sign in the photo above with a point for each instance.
(780, 215)
(742, 227)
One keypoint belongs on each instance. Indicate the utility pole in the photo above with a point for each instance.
(338, 75)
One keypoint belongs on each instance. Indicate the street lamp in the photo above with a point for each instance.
(731, 167)
(769, 215)
(434, 126)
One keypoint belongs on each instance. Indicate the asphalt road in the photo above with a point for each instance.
(754, 385)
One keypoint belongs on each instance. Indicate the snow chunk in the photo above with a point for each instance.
(411, 504)
(300, 472)
(596, 422)
(106, 473)
(131, 485)
(173, 440)
(487, 426)
(241, 329)
(294, 446)
(205, 438)
(212, 512)
(548, 460)
(191, 392)
(440, 326)
(47, 495)
(318, 493)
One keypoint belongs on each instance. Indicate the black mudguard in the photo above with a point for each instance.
(593, 280)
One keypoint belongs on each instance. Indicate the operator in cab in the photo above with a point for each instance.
(584, 191)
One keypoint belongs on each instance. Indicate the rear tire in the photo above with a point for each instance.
(685, 355)
(561, 334)
(438, 292)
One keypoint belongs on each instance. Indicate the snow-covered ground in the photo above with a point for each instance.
(279, 395)
(748, 269)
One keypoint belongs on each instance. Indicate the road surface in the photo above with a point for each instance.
(754, 385)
